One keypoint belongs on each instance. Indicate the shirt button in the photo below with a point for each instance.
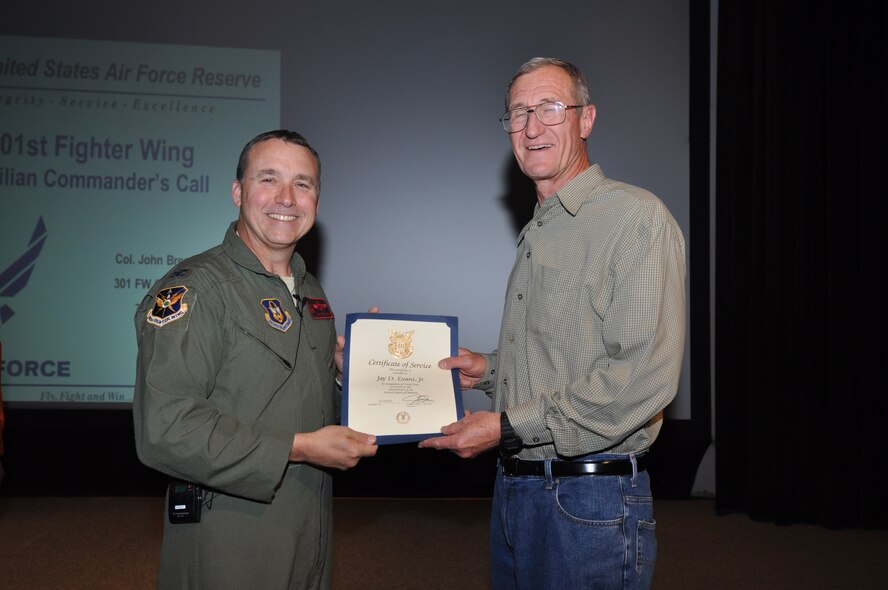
(539, 224)
(527, 255)
(520, 296)
(536, 439)
(511, 339)
(492, 371)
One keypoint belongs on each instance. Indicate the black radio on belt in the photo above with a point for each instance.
(184, 500)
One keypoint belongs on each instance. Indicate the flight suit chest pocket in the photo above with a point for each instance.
(320, 336)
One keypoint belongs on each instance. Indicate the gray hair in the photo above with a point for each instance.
(581, 87)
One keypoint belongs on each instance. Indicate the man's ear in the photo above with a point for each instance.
(236, 193)
(587, 121)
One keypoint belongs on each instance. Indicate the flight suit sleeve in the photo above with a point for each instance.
(182, 344)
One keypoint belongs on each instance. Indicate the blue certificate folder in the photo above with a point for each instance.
(391, 385)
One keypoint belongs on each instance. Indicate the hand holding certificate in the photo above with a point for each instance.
(392, 386)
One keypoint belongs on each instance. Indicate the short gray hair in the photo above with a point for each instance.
(581, 87)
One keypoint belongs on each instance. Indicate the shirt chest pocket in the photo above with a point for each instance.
(556, 303)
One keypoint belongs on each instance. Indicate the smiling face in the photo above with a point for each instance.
(550, 155)
(278, 201)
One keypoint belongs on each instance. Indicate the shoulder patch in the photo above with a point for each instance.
(168, 306)
(275, 314)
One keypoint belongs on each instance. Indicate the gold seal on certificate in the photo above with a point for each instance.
(400, 344)
(392, 386)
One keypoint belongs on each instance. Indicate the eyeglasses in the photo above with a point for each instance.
(548, 113)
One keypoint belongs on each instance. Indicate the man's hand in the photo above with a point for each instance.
(469, 437)
(339, 353)
(471, 367)
(339, 447)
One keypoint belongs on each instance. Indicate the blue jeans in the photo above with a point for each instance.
(591, 531)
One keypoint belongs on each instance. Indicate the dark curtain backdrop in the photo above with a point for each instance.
(800, 219)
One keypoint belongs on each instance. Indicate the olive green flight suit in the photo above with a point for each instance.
(228, 371)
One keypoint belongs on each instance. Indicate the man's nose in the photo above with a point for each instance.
(287, 196)
(534, 125)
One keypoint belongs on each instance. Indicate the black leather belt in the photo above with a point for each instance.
(514, 466)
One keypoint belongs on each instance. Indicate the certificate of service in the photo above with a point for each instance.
(392, 386)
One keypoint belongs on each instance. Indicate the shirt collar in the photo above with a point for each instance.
(237, 250)
(583, 187)
(580, 189)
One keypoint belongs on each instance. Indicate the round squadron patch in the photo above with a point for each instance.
(168, 306)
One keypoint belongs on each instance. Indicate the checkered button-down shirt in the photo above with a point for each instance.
(593, 329)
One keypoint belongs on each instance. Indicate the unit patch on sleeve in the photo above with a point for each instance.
(275, 314)
(168, 306)
(319, 309)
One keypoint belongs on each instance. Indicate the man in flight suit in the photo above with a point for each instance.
(236, 391)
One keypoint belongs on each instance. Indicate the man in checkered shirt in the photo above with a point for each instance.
(589, 355)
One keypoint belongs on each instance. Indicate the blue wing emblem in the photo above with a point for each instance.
(15, 277)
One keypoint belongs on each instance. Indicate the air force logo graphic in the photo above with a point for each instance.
(168, 306)
(275, 315)
(15, 277)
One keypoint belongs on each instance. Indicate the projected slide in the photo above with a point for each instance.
(116, 161)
